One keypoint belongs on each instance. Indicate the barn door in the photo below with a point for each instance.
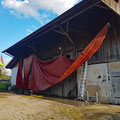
(115, 76)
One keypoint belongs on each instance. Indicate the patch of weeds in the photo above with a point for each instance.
(69, 112)
(93, 116)
(2, 96)
(102, 116)
(51, 118)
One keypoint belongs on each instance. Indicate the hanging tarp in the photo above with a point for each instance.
(19, 81)
(88, 52)
(40, 75)
(27, 70)
(46, 73)
(23, 73)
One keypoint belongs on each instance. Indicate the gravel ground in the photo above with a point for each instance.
(21, 107)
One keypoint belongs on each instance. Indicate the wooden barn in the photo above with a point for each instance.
(68, 35)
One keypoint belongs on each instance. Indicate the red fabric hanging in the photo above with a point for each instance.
(40, 75)
(87, 53)
(46, 73)
(19, 79)
(24, 73)
(27, 69)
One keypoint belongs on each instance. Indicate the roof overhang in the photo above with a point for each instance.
(68, 15)
(78, 9)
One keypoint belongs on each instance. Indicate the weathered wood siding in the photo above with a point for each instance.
(89, 28)
(82, 33)
(82, 30)
(114, 4)
(66, 88)
(110, 49)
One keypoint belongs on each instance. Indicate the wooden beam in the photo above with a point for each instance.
(61, 31)
(100, 6)
(113, 5)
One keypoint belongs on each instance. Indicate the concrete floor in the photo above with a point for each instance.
(21, 107)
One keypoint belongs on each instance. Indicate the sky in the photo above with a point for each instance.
(19, 18)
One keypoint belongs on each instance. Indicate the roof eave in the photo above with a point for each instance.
(84, 5)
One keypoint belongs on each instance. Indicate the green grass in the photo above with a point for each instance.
(4, 86)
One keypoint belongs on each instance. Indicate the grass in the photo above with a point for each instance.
(4, 86)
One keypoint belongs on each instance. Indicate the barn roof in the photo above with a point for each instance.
(12, 63)
(84, 6)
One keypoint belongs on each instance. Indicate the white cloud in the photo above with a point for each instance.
(32, 8)
(29, 31)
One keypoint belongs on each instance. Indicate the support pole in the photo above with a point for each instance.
(97, 97)
(87, 96)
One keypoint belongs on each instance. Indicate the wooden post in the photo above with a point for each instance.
(97, 97)
(87, 96)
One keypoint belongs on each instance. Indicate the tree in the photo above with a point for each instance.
(3, 73)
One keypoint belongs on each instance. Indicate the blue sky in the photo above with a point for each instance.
(18, 18)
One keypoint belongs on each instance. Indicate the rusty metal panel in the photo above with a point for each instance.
(113, 4)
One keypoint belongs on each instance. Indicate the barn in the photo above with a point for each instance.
(68, 35)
